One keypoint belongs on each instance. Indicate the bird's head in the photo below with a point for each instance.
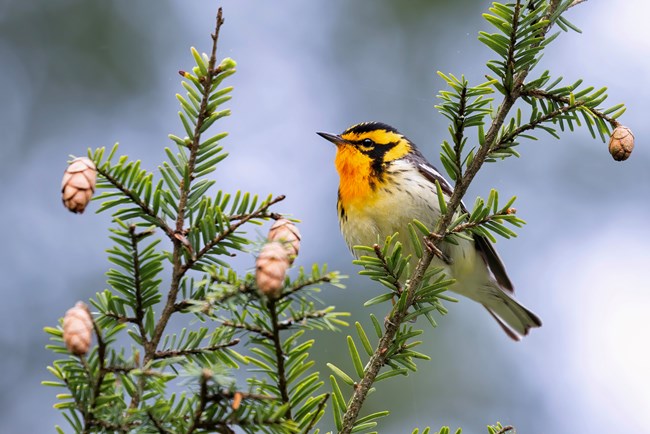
(368, 146)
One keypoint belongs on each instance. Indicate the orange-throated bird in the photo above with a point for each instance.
(385, 183)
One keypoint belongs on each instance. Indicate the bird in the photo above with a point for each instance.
(384, 184)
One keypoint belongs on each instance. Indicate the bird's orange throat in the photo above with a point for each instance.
(357, 183)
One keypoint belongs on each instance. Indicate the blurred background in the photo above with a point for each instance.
(78, 74)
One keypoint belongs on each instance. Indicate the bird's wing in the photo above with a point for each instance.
(494, 262)
(482, 244)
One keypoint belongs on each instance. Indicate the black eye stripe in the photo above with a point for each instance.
(380, 148)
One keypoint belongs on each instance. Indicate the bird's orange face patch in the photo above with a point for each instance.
(354, 169)
(360, 159)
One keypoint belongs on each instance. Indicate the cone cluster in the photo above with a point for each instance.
(77, 329)
(276, 256)
(621, 143)
(78, 184)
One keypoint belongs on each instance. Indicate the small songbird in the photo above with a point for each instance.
(385, 183)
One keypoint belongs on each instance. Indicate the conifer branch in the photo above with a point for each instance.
(248, 327)
(139, 311)
(203, 399)
(146, 209)
(389, 271)
(189, 351)
(177, 254)
(283, 386)
(260, 212)
(542, 94)
(288, 323)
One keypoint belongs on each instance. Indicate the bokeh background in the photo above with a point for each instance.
(77, 74)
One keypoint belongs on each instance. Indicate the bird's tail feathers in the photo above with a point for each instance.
(515, 319)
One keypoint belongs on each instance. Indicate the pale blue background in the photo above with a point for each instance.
(76, 74)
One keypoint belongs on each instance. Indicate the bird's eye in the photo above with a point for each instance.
(367, 142)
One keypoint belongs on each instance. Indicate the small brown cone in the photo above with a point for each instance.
(77, 329)
(78, 184)
(288, 234)
(271, 267)
(621, 143)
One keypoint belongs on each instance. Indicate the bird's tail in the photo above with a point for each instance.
(512, 316)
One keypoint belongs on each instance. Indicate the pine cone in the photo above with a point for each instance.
(288, 234)
(271, 267)
(78, 184)
(77, 329)
(621, 143)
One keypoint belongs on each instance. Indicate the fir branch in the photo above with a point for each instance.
(303, 284)
(260, 212)
(139, 311)
(186, 352)
(227, 394)
(158, 424)
(388, 269)
(203, 393)
(264, 215)
(288, 323)
(459, 132)
(94, 383)
(542, 94)
(283, 386)
(177, 254)
(314, 419)
(248, 327)
(550, 116)
(144, 207)
(397, 315)
(121, 318)
(473, 224)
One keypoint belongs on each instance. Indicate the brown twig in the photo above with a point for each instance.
(279, 355)
(159, 222)
(249, 327)
(175, 353)
(229, 231)
(542, 94)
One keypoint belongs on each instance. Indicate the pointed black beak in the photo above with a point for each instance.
(336, 139)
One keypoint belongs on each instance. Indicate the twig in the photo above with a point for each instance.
(542, 94)
(230, 230)
(245, 395)
(384, 264)
(314, 419)
(161, 429)
(175, 353)
(203, 397)
(288, 323)
(248, 327)
(304, 284)
(159, 222)
(279, 356)
(460, 130)
(139, 311)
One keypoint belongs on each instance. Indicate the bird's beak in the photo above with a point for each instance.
(336, 139)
